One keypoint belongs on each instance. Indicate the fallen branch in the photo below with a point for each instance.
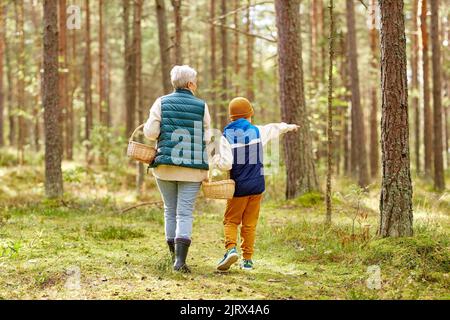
(141, 205)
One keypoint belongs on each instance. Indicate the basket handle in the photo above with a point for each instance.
(210, 175)
(134, 132)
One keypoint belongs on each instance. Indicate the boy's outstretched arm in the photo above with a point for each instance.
(274, 130)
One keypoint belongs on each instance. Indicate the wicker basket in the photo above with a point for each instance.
(223, 189)
(139, 151)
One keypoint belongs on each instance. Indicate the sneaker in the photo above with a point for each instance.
(230, 257)
(247, 265)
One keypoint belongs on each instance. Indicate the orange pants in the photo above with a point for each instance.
(242, 211)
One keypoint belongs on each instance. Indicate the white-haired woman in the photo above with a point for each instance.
(179, 123)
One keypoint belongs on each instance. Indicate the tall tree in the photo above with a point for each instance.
(439, 181)
(396, 189)
(21, 78)
(2, 54)
(130, 95)
(427, 119)
(137, 45)
(300, 169)
(12, 119)
(88, 82)
(415, 82)
(63, 75)
(357, 113)
(330, 113)
(176, 4)
(102, 75)
(163, 45)
(50, 97)
(236, 64)
(213, 61)
(250, 44)
(224, 44)
(374, 63)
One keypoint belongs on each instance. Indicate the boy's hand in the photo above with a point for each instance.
(295, 127)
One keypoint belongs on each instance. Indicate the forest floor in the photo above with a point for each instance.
(85, 248)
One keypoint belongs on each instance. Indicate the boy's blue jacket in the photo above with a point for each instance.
(248, 169)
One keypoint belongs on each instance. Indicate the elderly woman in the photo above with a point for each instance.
(179, 123)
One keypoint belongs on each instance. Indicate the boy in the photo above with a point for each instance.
(241, 152)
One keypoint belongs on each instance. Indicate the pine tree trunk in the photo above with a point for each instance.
(250, 45)
(130, 77)
(102, 78)
(88, 83)
(2, 71)
(37, 94)
(236, 63)
(224, 45)
(415, 82)
(50, 97)
(300, 169)
(374, 63)
(427, 119)
(62, 57)
(439, 180)
(396, 189)
(137, 45)
(163, 45)
(74, 83)
(213, 70)
(313, 53)
(21, 78)
(357, 118)
(12, 119)
(176, 4)
(330, 114)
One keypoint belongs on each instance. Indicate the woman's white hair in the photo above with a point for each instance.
(182, 75)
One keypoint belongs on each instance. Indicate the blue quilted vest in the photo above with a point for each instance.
(181, 141)
(248, 169)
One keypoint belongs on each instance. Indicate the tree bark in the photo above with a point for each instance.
(62, 58)
(12, 119)
(50, 97)
(213, 61)
(330, 114)
(130, 77)
(415, 82)
(236, 63)
(300, 169)
(374, 63)
(176, 4)
(102, 76)
(396, 189)
(2, 71)
(439, 180)
(163, 45)
(21, 78)
(427, 119)
(250, 44)
(224, 44)
(357, 118)
(137, 40)
(88, 83)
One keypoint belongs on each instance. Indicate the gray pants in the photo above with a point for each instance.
(179, 200)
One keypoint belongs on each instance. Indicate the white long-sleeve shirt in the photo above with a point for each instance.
(223, 160)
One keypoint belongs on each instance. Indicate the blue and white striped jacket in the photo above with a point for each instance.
(248, 169)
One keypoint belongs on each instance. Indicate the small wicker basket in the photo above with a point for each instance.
(223, 189)
(139, 151)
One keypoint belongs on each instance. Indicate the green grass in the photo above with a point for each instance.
(119, 255)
